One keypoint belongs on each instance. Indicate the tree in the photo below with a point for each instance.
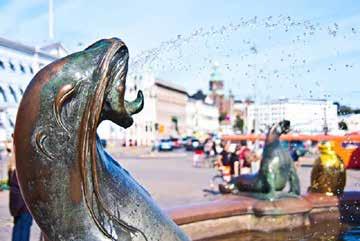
(345, 110)
(343, 126)
(239, 123)
(174, 120)
(222, 116)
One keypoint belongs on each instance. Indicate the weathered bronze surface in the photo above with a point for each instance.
(73, 187)
(328, 174)
(276, 169)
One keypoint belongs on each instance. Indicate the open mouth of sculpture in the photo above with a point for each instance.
(116, 108)
(113, 70)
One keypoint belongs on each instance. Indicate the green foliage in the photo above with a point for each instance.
(222, 116)
(239, 123)
(343, 126)
(346, 110)
(175, 120)
(4, 185)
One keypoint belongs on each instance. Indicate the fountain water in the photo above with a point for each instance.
(307, 59)
(304, 57)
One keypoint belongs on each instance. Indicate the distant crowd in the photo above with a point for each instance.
(230, 158)
(234, 159)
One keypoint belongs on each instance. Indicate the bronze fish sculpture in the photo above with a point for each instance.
(328, 174)
(276, 170)
(74, 189)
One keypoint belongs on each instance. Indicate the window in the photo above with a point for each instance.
(13, 93)
(21, 91)
(12, 66)
(11, 123)
(31, 69)
(2, 93)
(2, 64)
(22, 68)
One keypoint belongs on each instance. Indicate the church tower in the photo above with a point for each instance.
(217, 95)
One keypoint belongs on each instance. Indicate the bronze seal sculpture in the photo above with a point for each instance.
(72, 186)
(276, 169)
(328, 174)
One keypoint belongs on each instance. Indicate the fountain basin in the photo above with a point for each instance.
(233, 214)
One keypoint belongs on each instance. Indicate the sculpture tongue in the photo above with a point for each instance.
(136, 105)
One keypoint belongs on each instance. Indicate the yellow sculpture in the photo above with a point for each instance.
(328, 174)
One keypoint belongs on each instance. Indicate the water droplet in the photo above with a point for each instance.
(253, 50)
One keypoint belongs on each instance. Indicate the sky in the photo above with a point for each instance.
(265, 49)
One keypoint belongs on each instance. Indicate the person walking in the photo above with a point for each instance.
(22, 217)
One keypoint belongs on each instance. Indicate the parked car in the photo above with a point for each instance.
(176, 142)
(192, 144)
(184, 140)
(297, 149)
(165, 145)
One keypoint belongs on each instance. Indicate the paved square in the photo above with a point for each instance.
(171, 180)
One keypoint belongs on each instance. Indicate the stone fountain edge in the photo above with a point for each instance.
(233, 214)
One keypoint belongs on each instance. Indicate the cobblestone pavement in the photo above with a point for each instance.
(170, 179)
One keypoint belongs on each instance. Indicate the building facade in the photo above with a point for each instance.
(18, 65)
(170, 102)
(163, 115)
(306, 116)
(202, 116)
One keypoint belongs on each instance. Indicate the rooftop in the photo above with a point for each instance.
(55, 49)
(199, 95)
(170, 86)
(24, 48)
(297, 101)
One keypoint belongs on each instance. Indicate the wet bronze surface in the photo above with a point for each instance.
(276, 170)
(328, 174)
(72, 186)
